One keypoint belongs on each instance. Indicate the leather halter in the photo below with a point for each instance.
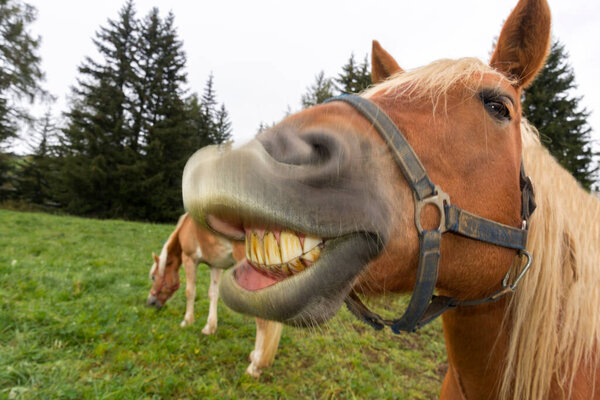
(424, 306)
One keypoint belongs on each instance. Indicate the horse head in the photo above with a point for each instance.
(164, 274)
(326, 173)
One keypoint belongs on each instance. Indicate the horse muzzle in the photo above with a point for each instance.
(153, 302)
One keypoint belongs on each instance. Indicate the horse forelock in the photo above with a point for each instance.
(554, 316)
(433, 81)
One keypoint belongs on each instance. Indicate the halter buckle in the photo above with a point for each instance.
(439, 199)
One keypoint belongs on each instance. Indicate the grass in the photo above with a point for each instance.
(73, 325)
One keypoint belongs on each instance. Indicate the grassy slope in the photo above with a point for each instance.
(73, 325)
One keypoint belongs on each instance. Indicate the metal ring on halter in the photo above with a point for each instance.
(439, 199)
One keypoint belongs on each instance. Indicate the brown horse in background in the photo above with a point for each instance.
(191, 244)
(327, 173)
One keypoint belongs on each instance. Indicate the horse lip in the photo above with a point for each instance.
(312, 296)
(154, 302)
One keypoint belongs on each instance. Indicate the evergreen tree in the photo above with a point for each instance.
(198, 123)
(222, 126)
(319, 91)
(99, 140)
(131, 128)
(550, 106)
(20, 73)
(217, 126)
(354, 78)
(169, 139)
(34, 178)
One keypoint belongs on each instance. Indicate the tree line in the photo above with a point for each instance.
(131, 124)
(129, 129)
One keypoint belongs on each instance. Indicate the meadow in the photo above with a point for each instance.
(74, 325)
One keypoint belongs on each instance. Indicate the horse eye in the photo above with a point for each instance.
(153, 277)
(496, 107)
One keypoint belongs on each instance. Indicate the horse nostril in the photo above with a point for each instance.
(306, 148)
(153, 302)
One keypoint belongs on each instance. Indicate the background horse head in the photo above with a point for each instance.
(326, 172)
(165, 270)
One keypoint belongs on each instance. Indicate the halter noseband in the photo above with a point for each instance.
(424, 306)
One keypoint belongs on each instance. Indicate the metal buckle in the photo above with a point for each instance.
(513, 285)
(438, 199)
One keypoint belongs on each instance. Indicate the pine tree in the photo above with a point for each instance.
(98, 140)
(35, 176)
(319, 91)
(169, 139)
(217, 126)
(354, 78)
(131, 127)
(551, 107)
(222, 132)
(20, 72)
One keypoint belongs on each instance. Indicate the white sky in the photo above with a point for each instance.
(264, 54)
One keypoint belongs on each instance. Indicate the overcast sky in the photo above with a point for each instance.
(264, 54)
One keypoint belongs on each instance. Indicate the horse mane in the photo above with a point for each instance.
(553, 319)
(167, 247)
(554, 316)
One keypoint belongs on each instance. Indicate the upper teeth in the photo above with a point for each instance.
(287, 255)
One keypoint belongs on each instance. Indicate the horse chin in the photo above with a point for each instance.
(306, 298)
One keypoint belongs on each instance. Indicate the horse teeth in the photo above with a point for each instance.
(285, 256)
(256, 249)
(312, 255)
(286, 270)
(310, 242)
(296, 265)
(290, 246)
(247, 243)
(271, 249)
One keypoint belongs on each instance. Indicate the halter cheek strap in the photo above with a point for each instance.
(424, 306)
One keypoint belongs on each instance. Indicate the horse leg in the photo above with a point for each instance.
(213, 295)
(190, 266)
(268, 334)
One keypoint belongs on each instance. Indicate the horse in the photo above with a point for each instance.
(191, 244)
(420, 184)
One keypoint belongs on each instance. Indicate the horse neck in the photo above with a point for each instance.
(476, 346)
(543, 357)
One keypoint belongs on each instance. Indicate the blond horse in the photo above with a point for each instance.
(191, 244)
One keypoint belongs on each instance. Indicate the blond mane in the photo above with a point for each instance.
(162, 259)
(553, 318)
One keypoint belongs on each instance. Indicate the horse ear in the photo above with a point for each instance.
(383, 64)
(524, 41)
(155, 257)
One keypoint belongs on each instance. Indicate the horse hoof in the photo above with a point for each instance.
(253, 371)
(209, 330)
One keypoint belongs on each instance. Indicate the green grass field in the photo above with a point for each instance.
(73, 325)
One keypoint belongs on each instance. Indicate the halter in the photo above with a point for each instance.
(424, 306)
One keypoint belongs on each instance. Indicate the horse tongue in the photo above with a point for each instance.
(250, 279)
